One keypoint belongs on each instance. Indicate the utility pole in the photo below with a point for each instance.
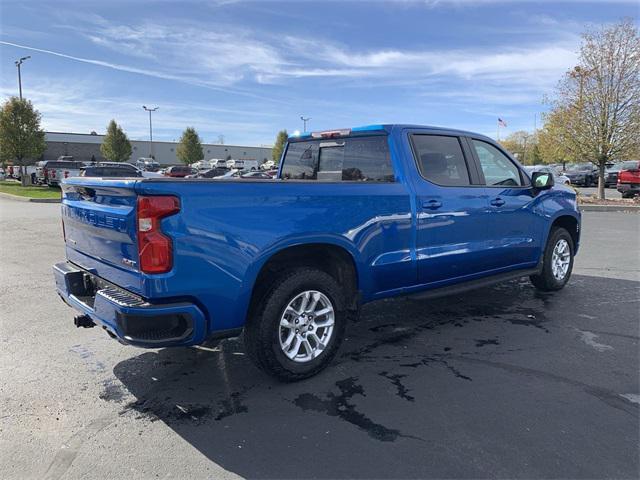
(18, 63)
(304, 123)
(148, 109)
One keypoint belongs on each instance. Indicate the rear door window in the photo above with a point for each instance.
(363, 159)
(441, 160)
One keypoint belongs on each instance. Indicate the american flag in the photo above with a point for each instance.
(502, 123)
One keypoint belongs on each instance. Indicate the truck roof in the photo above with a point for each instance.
(379, 128)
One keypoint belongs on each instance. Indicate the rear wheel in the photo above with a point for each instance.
(296, 330)
(557, 262)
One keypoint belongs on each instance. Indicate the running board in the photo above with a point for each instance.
(473, 284)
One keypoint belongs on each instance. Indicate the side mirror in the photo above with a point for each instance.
(542, 180)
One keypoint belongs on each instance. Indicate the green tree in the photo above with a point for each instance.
(189, 149)
(597, 105)
(524, 145)
(278, 148)
(553, 143)
(115, 146)
(21, 137)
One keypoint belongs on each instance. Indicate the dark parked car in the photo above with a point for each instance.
(583, 174)
(214, 172)
(611, 175)
(104, 171)
(179, 171)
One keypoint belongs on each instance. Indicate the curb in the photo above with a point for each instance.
(610, 208)
(29, 199)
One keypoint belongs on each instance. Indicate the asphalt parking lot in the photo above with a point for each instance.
(503, 382)
(610, 193)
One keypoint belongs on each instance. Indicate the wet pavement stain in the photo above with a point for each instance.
(427, 360)
(231, 406)
(112, 391)
(396, 380)
(529, 320)
(340, 406)
(173, 412)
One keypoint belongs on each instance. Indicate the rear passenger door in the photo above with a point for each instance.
(451, 236)
(513, 226)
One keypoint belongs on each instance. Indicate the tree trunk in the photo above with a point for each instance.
(601, 171)
(23, 173)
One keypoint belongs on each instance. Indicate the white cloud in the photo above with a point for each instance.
(82, 106)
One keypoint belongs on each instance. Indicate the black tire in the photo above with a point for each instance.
(628, 195)
(546, 281)
(261, 335)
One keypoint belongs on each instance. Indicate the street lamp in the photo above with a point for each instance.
(18, 63)
(304, 122)
(149, 109)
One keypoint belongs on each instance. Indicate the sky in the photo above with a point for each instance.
(246, 69)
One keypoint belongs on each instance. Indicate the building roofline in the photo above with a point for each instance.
(158, 141)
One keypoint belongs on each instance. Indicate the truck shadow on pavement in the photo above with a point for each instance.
(473, 385)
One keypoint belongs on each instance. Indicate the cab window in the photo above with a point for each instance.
(497, 168)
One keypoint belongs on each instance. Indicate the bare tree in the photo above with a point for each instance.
(599, 100)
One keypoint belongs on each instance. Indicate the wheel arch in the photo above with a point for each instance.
(571, 223)
(330, 257)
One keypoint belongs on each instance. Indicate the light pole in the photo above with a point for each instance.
(149, 109)
(18, 63)
(304, 122)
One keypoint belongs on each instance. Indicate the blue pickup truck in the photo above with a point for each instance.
(354, 215)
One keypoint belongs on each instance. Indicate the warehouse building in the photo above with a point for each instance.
(85, 147)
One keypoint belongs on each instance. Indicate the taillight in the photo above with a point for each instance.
(45, 172)
(53, 173)
(66, 174)
(155, 250)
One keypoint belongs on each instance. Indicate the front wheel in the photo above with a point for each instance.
(295, 331)
(557, 263)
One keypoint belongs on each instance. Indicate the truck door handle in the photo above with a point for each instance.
(432, 205)
(497, 202)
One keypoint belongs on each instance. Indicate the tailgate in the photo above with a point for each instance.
(99, 221)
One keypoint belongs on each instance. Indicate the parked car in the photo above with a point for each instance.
(160, 263)
(214, 172)
(583, 174)
(51, 172)
(179, 171)
(611, 175)
(558, 178)
(235, 164)
(14, 171)
(229, 174)
(250, 165)
(111, 171)
(147, 164)
(256, 175)
(268, 165)
(3, 174)
(629, 179)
